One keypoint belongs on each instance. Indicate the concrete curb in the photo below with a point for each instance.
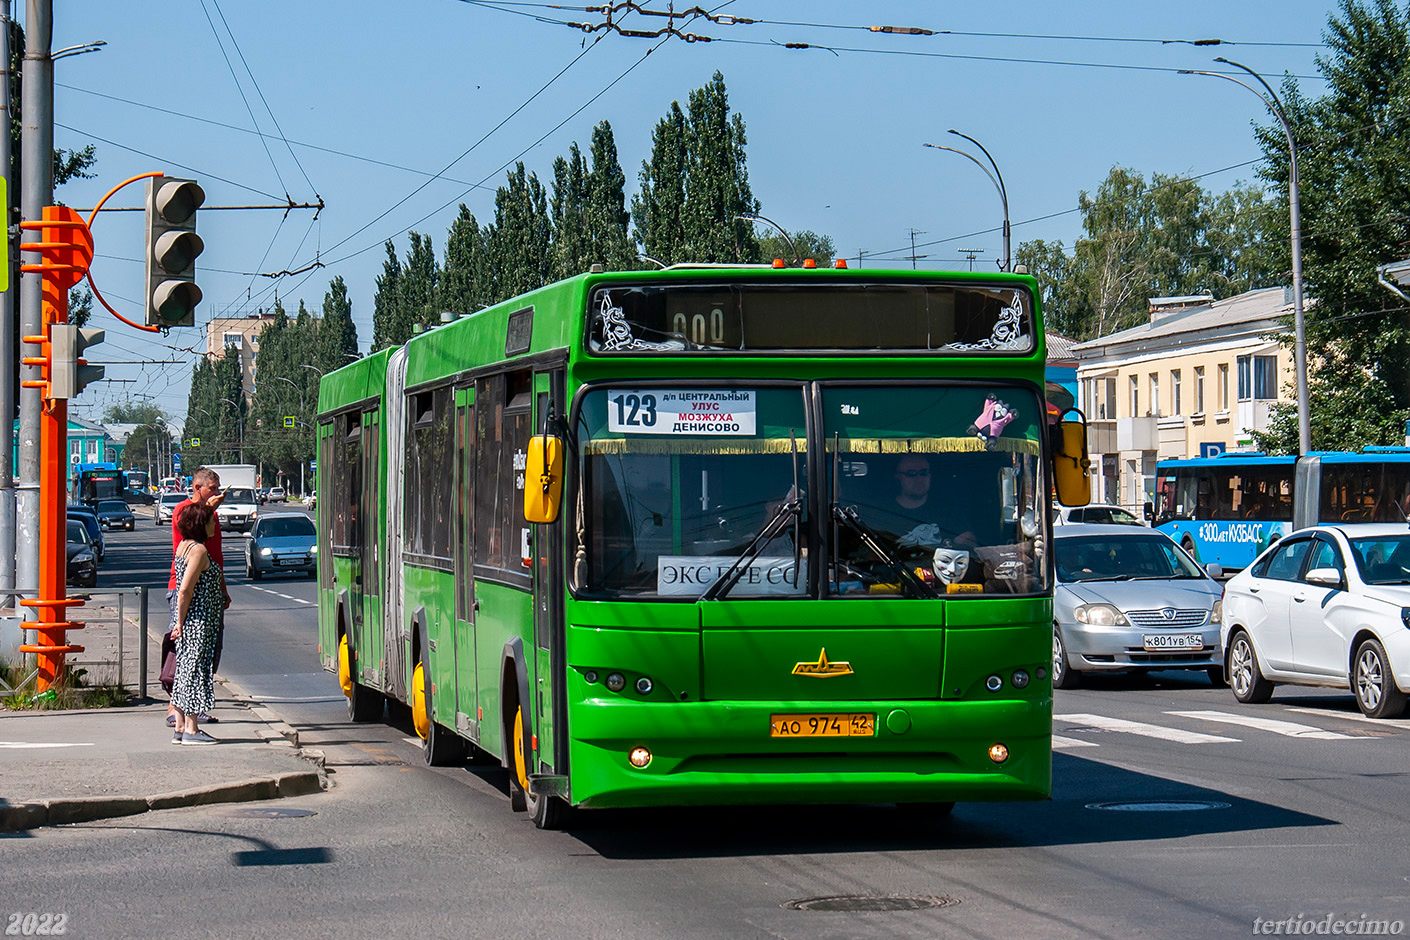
(15, 817)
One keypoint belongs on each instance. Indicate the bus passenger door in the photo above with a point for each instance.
(368, 584)
(467, 715)
(348, 539)
(547, 565)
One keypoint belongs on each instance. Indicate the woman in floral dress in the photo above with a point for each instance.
(200, 609)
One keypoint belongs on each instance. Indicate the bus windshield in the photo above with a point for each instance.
(929, 490)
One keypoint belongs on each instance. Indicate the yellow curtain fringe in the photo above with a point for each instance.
(724, 446)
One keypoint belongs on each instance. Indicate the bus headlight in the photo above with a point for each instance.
(616, 681)
(639, 757)
(1100, 615)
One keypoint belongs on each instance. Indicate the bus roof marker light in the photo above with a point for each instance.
(809, 263)
(840, 264)
(998, 753)
(778, 263)
(639, 757)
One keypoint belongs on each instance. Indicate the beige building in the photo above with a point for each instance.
(1200, 372)
(240, 334)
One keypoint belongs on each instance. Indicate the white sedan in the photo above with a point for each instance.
(1326, 606)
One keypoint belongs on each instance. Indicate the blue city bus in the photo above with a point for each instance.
(1227, 509)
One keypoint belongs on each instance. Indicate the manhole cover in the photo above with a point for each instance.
(263, 812)
(1158, 806)
(870, 903)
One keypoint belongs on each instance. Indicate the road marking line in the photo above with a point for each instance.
(286, 597)
(1289, 729)
(28, 744)
(1145, 730)
(298, 600)
(1059, 742)
(1349, 716)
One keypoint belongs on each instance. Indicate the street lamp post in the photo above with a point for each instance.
(303, 405)
(239, 417)
(995, 177)
(1304, 425)
(788, 241)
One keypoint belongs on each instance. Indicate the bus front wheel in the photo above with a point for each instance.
(547, 812)
(363, 703)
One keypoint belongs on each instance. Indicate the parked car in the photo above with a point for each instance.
(166, 504)
(1106, 515)
(278, 543)
(1326, 606)
(1129, 598)
(261, 495)
(311, 500)
(277, 494)
(115, 514)
(89, 518)
(82, 563)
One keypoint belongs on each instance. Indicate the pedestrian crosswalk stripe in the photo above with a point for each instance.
(1289, 729)
(1060, 743)
(1349, 716)
(1145, 730)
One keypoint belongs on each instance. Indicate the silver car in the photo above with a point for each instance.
(1128, 599)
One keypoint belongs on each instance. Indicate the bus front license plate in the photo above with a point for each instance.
(1173, 641)
(854, 725)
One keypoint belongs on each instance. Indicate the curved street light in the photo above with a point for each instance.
(995, 177)
(240, 418)
(1304, 425)
(788, 241)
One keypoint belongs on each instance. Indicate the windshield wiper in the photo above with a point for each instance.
(1115, 577)
(847, 515)
(792, 506)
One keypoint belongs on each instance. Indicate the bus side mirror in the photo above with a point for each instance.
(543, 478)
(1071, 465)
(1150, 511)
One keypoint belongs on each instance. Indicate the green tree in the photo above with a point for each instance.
(1354, 167)
(133, 413)
(466, 284)
(519, 239)
(807, 244)
(386, 302)
(717, 190)
(336, 343)
(1063, 300)
(420, 276)
(606, 218)
(572, 246)
(659, 207)
(146, 449)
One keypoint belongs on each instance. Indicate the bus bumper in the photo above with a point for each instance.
(920, 752)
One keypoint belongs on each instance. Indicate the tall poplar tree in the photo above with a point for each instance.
(717, 181)
(465, 278)
(573, 248)
(606, 217)
(386, 302)
(659, 207)
(336, 345)
(519, 240)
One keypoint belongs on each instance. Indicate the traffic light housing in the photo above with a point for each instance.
(68, 372)
(172, 248)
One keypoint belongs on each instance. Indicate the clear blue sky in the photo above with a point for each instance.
(393, 92)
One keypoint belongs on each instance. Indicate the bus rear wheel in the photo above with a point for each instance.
(439, 747)
(363, 703)
(547, 812)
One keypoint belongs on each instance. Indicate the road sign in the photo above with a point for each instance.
(288, 421)
(1212, 448)
(176, 461)
(313, 464)
(195, 442)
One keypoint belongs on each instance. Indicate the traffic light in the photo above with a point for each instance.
(172, 247)
(69, 373)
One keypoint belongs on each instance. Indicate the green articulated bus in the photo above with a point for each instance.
(707, 535)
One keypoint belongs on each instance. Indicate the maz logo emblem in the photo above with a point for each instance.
(823, 668)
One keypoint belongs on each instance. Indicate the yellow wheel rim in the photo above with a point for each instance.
(344, 666)
(419, 718)
(520, 764)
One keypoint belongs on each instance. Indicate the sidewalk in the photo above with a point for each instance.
(73, 766)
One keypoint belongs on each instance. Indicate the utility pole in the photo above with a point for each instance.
(970, 254)
(915, 256)
(36, 192)
(9, 360)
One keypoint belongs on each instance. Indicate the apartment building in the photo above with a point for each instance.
(1202, 374)
(240, 336)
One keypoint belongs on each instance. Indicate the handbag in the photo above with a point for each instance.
(168, 673)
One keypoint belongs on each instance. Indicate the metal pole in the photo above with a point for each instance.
(11, 636)
(1304, 423)
(142, 645)
(36, 192)
(1003, 194)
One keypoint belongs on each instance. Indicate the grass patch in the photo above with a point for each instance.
(74, 689)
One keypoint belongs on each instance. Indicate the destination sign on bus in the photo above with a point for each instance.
(692, 574)
(682, 411)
